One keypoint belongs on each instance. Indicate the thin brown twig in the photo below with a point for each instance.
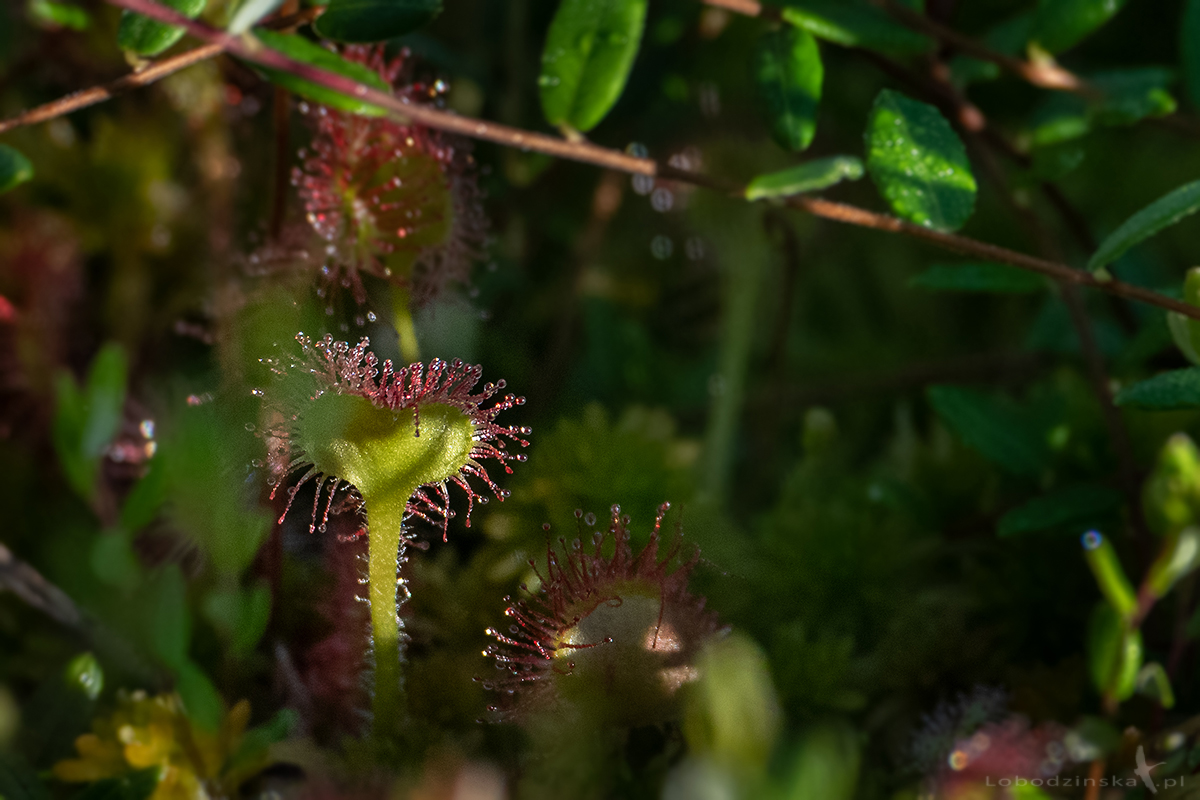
(585, 152)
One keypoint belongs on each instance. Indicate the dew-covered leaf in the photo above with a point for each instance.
(1082, 504)
(589, 53)
(853, 23)
(919, 163)
(992, 427)
(374, 20)
(301, 49)
(811, 176)
(1171, 391)
(979, 277)
(1162, 213)
(148, 37)
(788, 73)
(15, 168)
(1060, 24)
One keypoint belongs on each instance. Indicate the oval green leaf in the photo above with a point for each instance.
(589, 53)
(148, 37)
(853, 23)
(1176, 390)
(808, 177)
(992, 427)
(1060, 24)
(788, 73)
(15, 168)
(303, 50)
(374, 20)
(978, 277)
(1162, 213)
(1082, 503)
(919, 163)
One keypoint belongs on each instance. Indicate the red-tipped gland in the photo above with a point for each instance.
(399, 202)
(613, 636)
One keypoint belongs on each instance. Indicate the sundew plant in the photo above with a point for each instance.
(515, 399)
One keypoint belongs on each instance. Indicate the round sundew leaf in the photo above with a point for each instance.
(148, 37)
(15, 168)
(589, 53)
(1162, 213)
(301, 49)
(811, 176)
(374, 20)
(789, 73)
(919, 163)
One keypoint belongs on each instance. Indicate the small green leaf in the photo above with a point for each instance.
(148, 37)
(1082, 503)
(812, 176)
(853, 23)
(249, 12)
(1114, 653)
(1162, 213)
(1170, 391)
(374, 20)
(919, 163)
(15, 168)
(145, 498)
(1189, 47)
(134, 786)
(201, 700)
(86, 420)
(1131, 95)
(301, 49)
(1152, 681)
(979, 277)
(113, 560)
(83, 674)
(589, 53)
(168, 623)
(992, 427)
(788, 73)
(1180, 554)
(1060, 24)
(52, 14)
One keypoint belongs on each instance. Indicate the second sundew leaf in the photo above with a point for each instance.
(811, 176)
(301, 49)
(1060, 24)
(590, 50)
(978, 277)
(919, 163)
(374, 20)
(852, 23)
(1162, 213)
(789, 73)
(148, 37)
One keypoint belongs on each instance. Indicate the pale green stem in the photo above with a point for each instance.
(384, 556)
(402, 318)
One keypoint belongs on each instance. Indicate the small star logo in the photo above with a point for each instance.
(1143, 770)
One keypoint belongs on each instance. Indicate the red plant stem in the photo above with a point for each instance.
(251, 50)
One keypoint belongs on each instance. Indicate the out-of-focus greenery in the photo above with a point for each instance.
(946, 513)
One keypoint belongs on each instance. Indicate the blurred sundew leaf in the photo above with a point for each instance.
(852, 23)
(1060, 24)
(1162, 213)
(1171, 391)
(148, 37)
(590, 50)
(374, 20)
(788, 73)
(991, 427)
(15, 168)
(979, 277)
(1069, 504)
(811, 176)
(1189, 48)
(919, 163)
(301, 49)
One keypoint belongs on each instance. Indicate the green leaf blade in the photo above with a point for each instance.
(978, 277)
(301, 49)
(853, 23)
(812, 176)
(15, 168)
(1082, 503)
(991, 428)
(1061, 24)
(1162, 213)
(919, 163)
(788, 73)
(365, 21)
(148, 37)
(588, 56)
(1171, 391)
